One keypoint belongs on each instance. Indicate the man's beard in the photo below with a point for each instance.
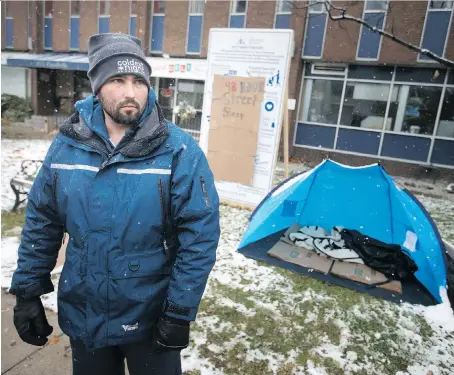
(127, 118)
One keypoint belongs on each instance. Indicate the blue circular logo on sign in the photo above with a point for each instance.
(269, 106)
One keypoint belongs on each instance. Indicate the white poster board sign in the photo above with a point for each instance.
(251, 53)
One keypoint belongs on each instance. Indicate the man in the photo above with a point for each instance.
(137, 198)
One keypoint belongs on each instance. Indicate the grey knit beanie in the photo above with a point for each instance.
(113, 54)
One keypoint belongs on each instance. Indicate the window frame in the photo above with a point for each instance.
(441, 9)
(158, 13)
(190, 2)
(374, 11)
(71, 16)
(153, 15)
(131, 15)
(429, 9)
(107, 4)
(9, 17)
(281, 2)
(310, 12)
(383, 131)
(313, 10)
(44, 24)
(103, 16)
(190, 14)
(234, 4)
(175, 101)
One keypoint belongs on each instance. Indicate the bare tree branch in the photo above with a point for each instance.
(330, 7)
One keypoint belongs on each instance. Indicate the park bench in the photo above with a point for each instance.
(22, 182)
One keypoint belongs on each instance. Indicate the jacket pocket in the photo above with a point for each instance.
(205, 192)
(145, 264)
(76, 257)
(54, 189)
(55, 198)
(162, 203)
(137, 289)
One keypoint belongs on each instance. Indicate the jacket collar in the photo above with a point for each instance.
(84, 126)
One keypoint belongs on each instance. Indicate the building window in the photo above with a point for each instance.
(104, 7)
(29, 27)
(104, 16)
(171, 92)
(315, 30)
(370, 41)
(9, 35)
(238, 9)
(133, 18)
(376, 5)
(196, 12)
(238, 6)
(191, 92)
(441, 4)
(365, 105)
(446, 123)
(414, 109)
(75, 25)
(284, 6)
(436, 28)
(324, 101)
(283, 13)
(48, 23)
(395, 112)
(159, 7)
(157, 26)
(166, 96)
(75, 8)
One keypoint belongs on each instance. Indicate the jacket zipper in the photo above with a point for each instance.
(205, 193)
(54, 188)
(163, 214)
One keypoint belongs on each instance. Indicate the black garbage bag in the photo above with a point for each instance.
(391, 260)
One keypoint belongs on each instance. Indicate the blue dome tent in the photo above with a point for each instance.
(365, 199)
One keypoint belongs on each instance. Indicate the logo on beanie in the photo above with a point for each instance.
(130, 66)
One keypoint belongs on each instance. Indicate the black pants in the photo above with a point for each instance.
(141, 359)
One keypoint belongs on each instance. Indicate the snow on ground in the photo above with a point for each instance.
(234, 276)
(9, 259)
(13, 152)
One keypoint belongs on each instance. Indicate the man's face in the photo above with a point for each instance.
(124, 98)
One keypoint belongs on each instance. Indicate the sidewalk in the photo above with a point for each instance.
(20, 358)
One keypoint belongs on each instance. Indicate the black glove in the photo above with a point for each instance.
(171, 334)
(31, 322)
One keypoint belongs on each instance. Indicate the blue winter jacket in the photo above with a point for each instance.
(143, 225)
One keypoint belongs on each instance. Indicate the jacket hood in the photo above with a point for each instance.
(87, 126)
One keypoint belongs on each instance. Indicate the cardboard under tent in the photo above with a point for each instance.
(364, 199)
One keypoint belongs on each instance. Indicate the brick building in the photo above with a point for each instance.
(361, 97)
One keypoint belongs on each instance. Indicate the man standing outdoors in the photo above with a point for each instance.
(137, 198)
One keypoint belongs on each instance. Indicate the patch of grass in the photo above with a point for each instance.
(233, 361)
(331, 366)
(287, 369)
(266, 331)
(425, 330)
(236, 295)
(344, 298)
(11, 220)
(245, 282)
(278, 329)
